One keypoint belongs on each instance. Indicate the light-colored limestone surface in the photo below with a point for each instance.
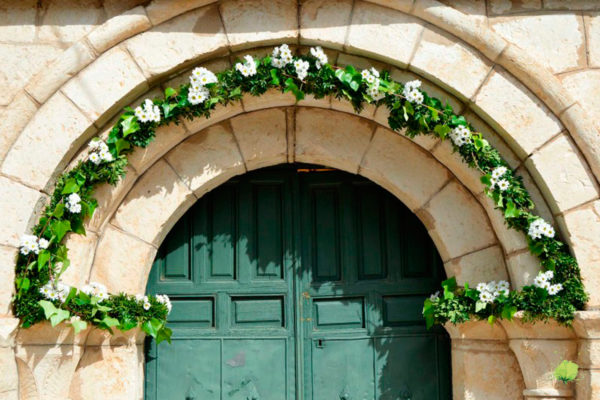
(68, 66)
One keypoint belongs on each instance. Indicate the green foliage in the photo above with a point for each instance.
(432, 117)
(566, 371)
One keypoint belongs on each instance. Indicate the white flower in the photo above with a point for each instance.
(365, 74)
(319, 54)
(73, 203)
(53, 295)
(481, 287)
(139, 297)
(301, 67)
(492, 286)
(412, 85)
(375, 73)
(202, 77)
(75, 318)
(74, 198)
(198, 95)
(148, 112)
(503, 184)
(96, 289)
(460, 135)
(106, 156)
(43, 243)
(503, 285)
(499, 172)
(539, 228)
(74, 208)
(413, 96)
(374, 93)
(549, 275)
(94, 144)
(486, 297)
(539, 281)
(554, 289)
(147, 306)
(371, 79)
(248, 68)
(29, 244)
(435, 296)
(95, 158)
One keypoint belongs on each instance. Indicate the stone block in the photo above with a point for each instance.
(17, 21)
(13, 119)
(540, 202)
(456, 222)
(167, 137)
(481, 266)
(500, 7)
(119, 28)
(81, 253)
(476, 330)
(278, 18)
(510, 239)
(46, 82)
(513, 111)
(438, 57)
(588, 384)
(8, 331)
(122, 262)
(400, 5)
(220, 113)
(9, 379)
(8, 256)
(107, 85)
(555, 40)
(109, 372)
(562, 176)
(162, 10)
(523, 267)
(324, 22)
(154, 204)
(184, 40)
(585, 86)
(271, 98)
(43, 333)
(70, 20)
(331, 138)
(592, 22)
(220, 161)
(372, 21)
(38, 165)
(403, 168)
(469, 177)
(18, 207)
(262, 137)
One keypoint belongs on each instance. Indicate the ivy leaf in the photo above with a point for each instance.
(168, 109)
(48, 307)
(442, 130)
(59, 317)
(59, 228)
(428, 313)
(511, 210)
(78, 326)
(71, 186)
(491, 319)
(130, 125)
(486, 180)
(274, 77)
(566, 371)
(164, 334)
(23, 283)
(290, 85)
(152, 327)
(43, 258)
(127, 324)
(449, 285)
(59, 210)
(110, 321)
(508, 312)
(480, 306)
(121, 144)
(170, 92)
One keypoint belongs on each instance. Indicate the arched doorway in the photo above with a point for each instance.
(298, 282)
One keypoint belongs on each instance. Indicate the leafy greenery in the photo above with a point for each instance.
(566, 371)
(432, 117)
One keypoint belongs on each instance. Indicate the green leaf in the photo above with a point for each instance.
(480, 306)
(508, 312)
(168, 109)
(59, 228)
(170, 92)
(449, 285)
(48, 307)
(110, 321)
(274, 77)
(486, 180)
(491, 319)
(442, 130)
(409, 108)
(43, 258)
(164, 334)
(566, 371)
(130, 125)
(152, 327)
(127, 324)
(59, 210)
(121, 145)
(59, 317)
(354, 85)
(340, 74)
(511, 210)
(71, 186)
(23, 283)
(78, 326)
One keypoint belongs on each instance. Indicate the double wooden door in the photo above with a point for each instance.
(295, 283)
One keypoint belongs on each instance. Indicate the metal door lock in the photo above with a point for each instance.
(320, 343)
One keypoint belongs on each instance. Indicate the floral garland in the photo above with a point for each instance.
(42, 258)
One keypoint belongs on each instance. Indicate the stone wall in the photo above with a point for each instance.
(525, 73)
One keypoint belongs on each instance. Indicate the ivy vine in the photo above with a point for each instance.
(43, 257)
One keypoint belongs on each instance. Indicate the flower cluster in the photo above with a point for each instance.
(55, 291)
(144, 300)
(539, 228)
(372, 78)
(97, 290)
(73, 203)
(489, 292)
(148, 112)
(496, 180)
(31, 244)
(460, 135)
(248, 68)
(282, 56)
(164, 299)
(320, 55)
(412, 93)
(100, 152)
(301, 68)
(435, 296)
(542, 280)
(198, 92)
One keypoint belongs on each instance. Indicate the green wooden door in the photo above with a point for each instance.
(294, 285)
